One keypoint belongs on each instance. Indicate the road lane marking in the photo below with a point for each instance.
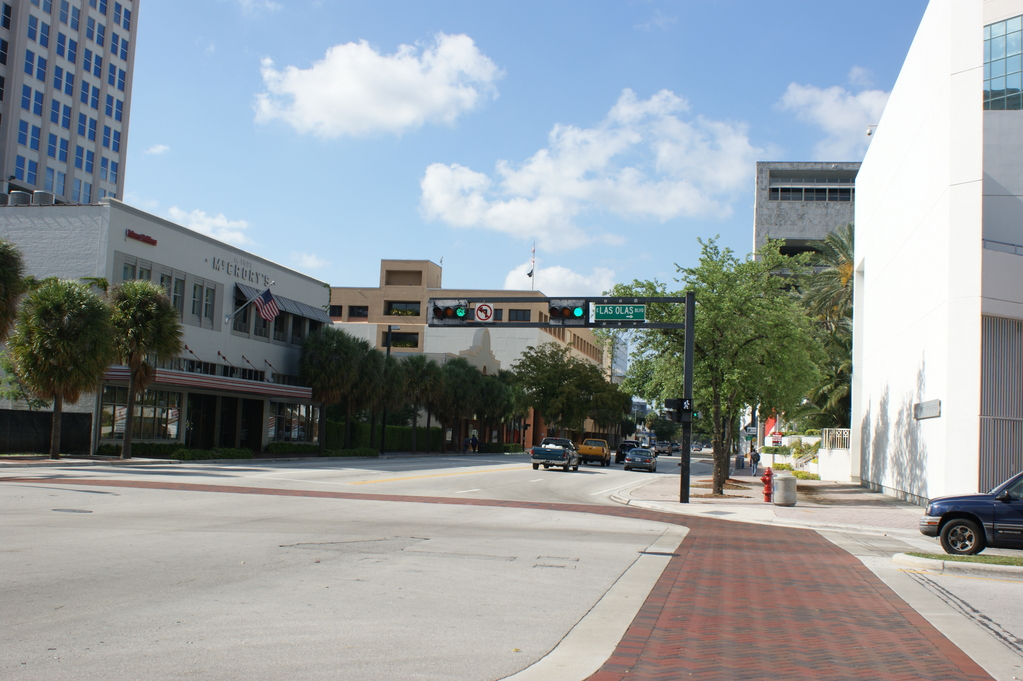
(612, 489)
(537, 480)
(438, 475)
(468, 490)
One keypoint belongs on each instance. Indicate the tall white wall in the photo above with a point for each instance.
(919, 263)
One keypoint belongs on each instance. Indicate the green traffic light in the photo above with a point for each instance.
(459, 311)
(577, 312)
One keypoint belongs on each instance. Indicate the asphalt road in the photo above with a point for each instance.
(125, 583)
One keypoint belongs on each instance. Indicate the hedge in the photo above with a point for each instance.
(206, 454)
(149, 450)
(780, 449)
(499, 447)
(399, 438)
(293, 448)
(366, 452)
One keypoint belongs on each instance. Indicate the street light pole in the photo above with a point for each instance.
(383, 425)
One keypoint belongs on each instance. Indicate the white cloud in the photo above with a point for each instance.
(561, 281)
(354, 90)
(645, 160)
(216, 226)
(158, 149)
(842, 115)
(308, 261)
(861, 77)
(249, 6)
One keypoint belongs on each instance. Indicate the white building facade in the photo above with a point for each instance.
(938, 310)
(235, 384)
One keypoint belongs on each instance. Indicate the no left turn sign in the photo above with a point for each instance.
(484, 312)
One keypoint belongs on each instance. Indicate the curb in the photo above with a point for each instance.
(958, 567)
(71, 461)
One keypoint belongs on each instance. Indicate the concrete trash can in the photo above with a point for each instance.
(740, 461)
(784, 489)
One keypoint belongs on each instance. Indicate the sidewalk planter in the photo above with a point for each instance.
(784, 489)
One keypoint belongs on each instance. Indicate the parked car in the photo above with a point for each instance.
(676, 447)
(552, 454)
(624, 448)
(969, 523)
(641, 458)
(595, 450)
(662, 447)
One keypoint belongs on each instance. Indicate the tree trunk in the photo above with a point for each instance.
(720, 453)
(129, 418)
(415, 417)
(58, 408)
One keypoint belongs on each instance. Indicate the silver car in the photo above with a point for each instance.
(641, 458)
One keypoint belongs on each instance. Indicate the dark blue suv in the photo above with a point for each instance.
(969, 523)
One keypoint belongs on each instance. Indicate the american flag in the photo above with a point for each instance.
(266, 305)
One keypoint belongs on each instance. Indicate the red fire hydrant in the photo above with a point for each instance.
(768, 484)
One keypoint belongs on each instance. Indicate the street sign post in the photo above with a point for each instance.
(609, 313)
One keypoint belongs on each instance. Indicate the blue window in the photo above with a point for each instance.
(33, 28)
(41, 69)
(110, 105)
(48, 186)
(30, 174)
(116, 146)
(5, 20)
(90, 156)
(65, 118)
(72, 51)
(23, 133)
(90, 29)
(26, 98)
(85, 92)
(55, 112)
(92, 129)
(87, 61)
(30, 62)
(94, 99)
(102, 5)
(64, 7)
(104, 168)
(113, 171)
(33, 139)
(47, 7)
(69, 84)
(117, 13)
(120, 79)
(79, 157)
(37, 103)
(97, 66)
(62, 154)
(3, 51)
(100, 34)
(124, 50)
(114, 40)
(77, 191)
(106, 136)
(75, 17)
(118, 110)
(111, 74)
(58, 78)
(51, 146)
(127, 20)
(86, 192)
(82, 121)
(19, 168)
(61, 44)
(44, 34)
(1003, 65)
(58, 188)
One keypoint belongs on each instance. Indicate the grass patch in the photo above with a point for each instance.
(988, 560)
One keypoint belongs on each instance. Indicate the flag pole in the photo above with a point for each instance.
(247, 303)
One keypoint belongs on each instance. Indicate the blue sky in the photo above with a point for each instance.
(329, 135)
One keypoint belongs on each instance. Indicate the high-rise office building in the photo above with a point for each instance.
(65, 86)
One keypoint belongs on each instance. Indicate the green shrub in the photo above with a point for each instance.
(780, 449)
(399, 438)
(366, 452)
(147, 450)
(782, 467)
(499, 448)
(207, 454)
(293, 448)
(803, 475)
(812, 431)
(108, 450)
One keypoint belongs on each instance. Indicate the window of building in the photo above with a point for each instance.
(51, 146)
(145, 273)
(165, 283)
(104, 168)
(3, 52)
(1003, 65)
(402, 309)
(297, 329)
(293, 422)
(241, 320)
(518, 315)
(5, 20)
(260, 326)
(280, 327)
(401, 340)
(114, 171)
(157, 414)
(37, 103)
(72, 51)
(33, 27)
(178, 295)
(197, 299)
(209, 303)
(498, 315)
(86, 192)
(335, 311)
(59, 186)
(128, 271)
(33, 137)
(48, 180)
(358, 311)
(30, 62)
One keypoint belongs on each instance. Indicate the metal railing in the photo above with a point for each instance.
(835, 438)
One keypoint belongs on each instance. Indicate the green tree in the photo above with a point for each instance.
(460, 395)
(558, 386)
(146, 328)
(328, 365)
(12, 285)
(496, 405)
(828, 292)
(753, 342)
(61, 345)
(423, 382)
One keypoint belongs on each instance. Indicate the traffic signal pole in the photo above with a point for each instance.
(687, 389)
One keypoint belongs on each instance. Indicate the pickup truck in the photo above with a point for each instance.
(550, 454)
(661, 447)
(595, 450)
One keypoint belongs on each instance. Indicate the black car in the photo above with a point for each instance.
(641, 458)
(969, 523)
(623, 449)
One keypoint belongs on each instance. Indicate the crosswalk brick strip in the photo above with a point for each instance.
(736, 602)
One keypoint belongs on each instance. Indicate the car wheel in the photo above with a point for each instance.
(565, 467)
(545, 466)
(626, 468)
(535, 466)
(961, 537)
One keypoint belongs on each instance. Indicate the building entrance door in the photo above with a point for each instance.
(252, 425)
(200, 426)
(228, 422)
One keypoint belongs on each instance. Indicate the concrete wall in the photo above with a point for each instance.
(800, 221)
(919, 264)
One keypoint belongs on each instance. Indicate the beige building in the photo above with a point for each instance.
(402, 301)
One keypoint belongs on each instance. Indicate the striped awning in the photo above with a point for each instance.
(287, 304)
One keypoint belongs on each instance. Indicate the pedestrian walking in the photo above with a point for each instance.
(754, 460)
(475, 444)
(465, 445)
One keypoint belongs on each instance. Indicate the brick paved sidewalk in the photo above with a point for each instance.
(737, 601)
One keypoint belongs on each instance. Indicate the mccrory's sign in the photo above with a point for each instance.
(241, 269)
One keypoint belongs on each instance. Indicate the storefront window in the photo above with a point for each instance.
(293, 423)
(157, 414)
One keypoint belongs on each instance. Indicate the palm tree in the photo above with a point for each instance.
(460, 395)
(61, 345)
(12, 272)
(326, 366)
(829, 291)
(422, 384)
(146, 328)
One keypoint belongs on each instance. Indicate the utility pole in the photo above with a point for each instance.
(687, 400)
(383, 426)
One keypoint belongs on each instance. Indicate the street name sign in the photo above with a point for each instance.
(604, 313)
